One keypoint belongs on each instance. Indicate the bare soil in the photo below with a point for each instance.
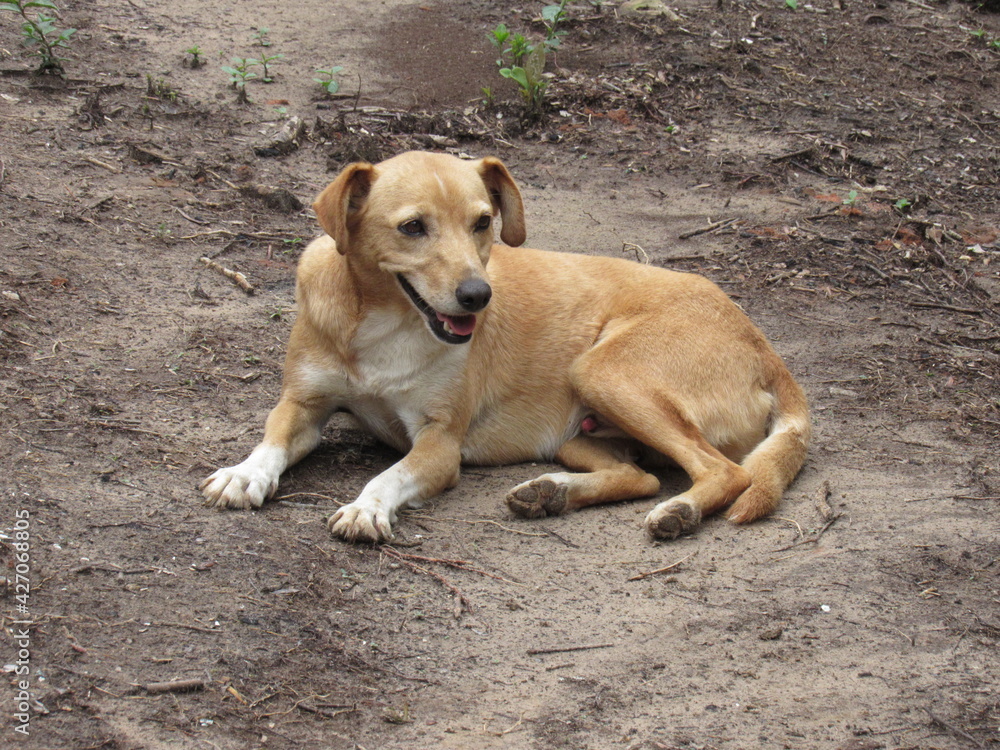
(865, 614)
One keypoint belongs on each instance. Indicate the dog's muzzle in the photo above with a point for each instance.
(472, 295)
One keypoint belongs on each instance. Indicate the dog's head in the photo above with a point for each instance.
(426, 219)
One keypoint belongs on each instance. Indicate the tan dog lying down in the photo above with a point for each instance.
(455, 350)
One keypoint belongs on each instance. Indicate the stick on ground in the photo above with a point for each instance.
(672, 565)
(174, 686)
(239, 279)
(563, 649)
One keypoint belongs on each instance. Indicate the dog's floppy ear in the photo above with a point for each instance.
(340, 206)
(506, 198)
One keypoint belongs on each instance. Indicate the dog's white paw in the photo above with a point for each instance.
(361, 522)
(247, 485)
(673, 517)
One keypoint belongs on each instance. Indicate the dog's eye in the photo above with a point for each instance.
(484, 223)
(414, 228)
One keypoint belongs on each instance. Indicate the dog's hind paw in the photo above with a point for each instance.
(537, 499)
(671, 518)
(357, 522)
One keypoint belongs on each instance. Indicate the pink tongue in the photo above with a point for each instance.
(462, 325)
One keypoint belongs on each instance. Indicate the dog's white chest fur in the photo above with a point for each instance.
(401, 371)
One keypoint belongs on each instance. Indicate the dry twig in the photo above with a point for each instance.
(239, 279)
(953, 729)
(703, 230)
(672, 565)
(563, 649)
(459, 564)
(461, 602)
(174, 686)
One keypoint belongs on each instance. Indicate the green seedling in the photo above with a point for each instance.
(498, 37)
(260, 36)
(982, 36)
(529, 77)
(488, 99)
(266, 60)
(41, 32)
(328, 80)
(157, 88)
(524, 62)
(519, 48)
(552, 16)
(851, 200)
(195, 61)
(162, 232)
(240, 74)
(902, 205)
(792, 4)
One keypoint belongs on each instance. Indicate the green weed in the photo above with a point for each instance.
(240, 74)
(328, 80)
(266, 60)
(260, 36)
(195, 60)
(523, 62)
(41, 31)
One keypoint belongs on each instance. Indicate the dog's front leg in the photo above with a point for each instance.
(292, 430)
(431, 466)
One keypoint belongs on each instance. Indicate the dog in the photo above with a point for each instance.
(453, 349)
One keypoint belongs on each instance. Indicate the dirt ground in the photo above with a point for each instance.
(865, 614)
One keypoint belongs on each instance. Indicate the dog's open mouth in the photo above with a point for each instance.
(451, 329)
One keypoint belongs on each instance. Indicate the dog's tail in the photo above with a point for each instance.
(774, 463)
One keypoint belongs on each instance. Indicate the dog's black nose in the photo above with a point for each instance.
(473, 295)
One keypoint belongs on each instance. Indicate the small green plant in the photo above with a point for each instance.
(162, 232)
(552, 16)
(41, 32)
(260, 36)
(902, 205)
(328, 80)
(852, 199)
(983, 36)
(529, 77)
(195, 60)
(524, 62)
(519, 48)
(266, 60)
(240, 74)
(792, 4)
(157, 88)
(498, 37)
